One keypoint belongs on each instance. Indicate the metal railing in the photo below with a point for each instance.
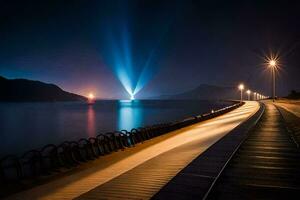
(52, 158)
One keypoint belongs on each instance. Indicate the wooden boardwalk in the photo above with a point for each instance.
(140, 172)
(264, 166)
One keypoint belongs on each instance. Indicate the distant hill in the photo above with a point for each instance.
(19, 90)
(206, 92)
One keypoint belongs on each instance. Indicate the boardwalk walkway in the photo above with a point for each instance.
(140, 172)
(265, 166)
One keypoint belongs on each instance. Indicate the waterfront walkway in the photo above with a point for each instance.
(265, 166)
(140, 172)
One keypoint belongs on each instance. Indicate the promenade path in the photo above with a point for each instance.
(141, 171)
(266, 166)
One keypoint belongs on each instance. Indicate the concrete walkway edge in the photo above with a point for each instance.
(195, 180)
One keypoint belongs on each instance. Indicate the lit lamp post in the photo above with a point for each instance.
(248, 92)
(272, 65)
(241, 87)
(254, 96)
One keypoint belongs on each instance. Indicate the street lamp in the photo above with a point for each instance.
(248, 92)
(272, 65)
(254, 96)
(241, 87)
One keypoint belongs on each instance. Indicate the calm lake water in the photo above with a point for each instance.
(24, 126)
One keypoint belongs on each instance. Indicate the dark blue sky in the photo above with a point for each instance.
(76, 44)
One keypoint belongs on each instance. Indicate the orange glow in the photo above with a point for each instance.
(241, 86)
(272, 63)
(91, 96)
(91, 126)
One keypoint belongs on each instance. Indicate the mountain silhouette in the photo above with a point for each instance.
(23, 90)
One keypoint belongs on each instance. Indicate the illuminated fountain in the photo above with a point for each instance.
(133, 50)
(133, 66)
(132, 97)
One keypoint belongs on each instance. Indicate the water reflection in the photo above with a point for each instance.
(129, 114)
(91, 129)
(25, 126)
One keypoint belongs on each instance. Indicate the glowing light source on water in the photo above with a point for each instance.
(91, 96)
(131, 96)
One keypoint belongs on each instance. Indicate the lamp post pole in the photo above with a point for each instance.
(241, 95)
(248, 92)
(272, 65)
(241, 87)
(274, 86)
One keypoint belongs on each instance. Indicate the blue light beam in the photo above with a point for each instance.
(132, 51)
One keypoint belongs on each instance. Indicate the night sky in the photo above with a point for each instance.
(163, 47)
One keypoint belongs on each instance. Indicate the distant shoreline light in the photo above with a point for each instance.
(91, 98)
